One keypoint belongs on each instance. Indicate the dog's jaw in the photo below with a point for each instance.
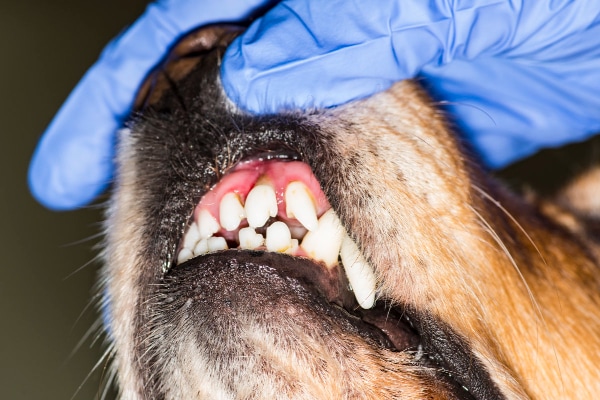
(422, 216)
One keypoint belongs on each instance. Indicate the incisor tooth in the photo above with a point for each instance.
(216, 243)
(249, 239)
(191, 236)
(231, 211)
(207, 224)
(279, 237)
(261, 204)
(323, 244)
(299, 204)
(201, 247)
(184, 255)
(293, 247)
(360, 274)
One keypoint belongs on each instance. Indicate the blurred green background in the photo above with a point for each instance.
(46, 282)
(47, 274)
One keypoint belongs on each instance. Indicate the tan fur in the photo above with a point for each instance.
(523, 290)
(529, 303)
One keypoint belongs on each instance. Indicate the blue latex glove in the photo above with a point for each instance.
(524, 74)
(73, 162)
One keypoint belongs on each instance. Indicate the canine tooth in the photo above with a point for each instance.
(279, 237)
(184, 255)
(207, 224)
(299, 204)
(249, 239)
(360, 274)
(261, 204)
(324, 243)
(231, 211)
(201, 247)
(216, 243)
(191, 236)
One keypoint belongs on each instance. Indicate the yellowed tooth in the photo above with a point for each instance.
(249, 239)
(279, 237)
(293, 247)
(231, 211)
(261, 203)
(216, 243)
(299, 204)
(207, 224)
(360, 274)
(324, 243)
(184, 255)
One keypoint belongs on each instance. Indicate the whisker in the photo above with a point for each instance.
(103, 359)
(512, 218)
(489, 229)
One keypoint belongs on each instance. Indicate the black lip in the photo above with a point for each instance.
(396, 327)
(253, 275)
(384, 324)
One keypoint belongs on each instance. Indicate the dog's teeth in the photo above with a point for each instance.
(191, 236)
(231, 211)
(201, 247)
(360, 274)
(279, 237)
(261, 204)
(300, 204)
(207, 224)
(184, 255)
(293, 247)
(324, 243)
(249, 239)
(216, 243)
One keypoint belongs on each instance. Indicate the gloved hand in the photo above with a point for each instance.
(517, 75)
(73, 162)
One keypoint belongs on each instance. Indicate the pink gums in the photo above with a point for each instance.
(246, 175)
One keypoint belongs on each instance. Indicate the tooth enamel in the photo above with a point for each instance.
(231, 211)
(191, 237)
(324, 243)
(249, 239)
(279, 237)
(261, 204)
(293, 247)
(301, 205)
(216, 243)
(207, 224)
(201, 247)
(360, 274)
(184, 255)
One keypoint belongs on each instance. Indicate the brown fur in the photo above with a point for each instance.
(511, 285)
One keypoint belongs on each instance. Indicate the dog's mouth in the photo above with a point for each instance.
(278, 206)
(266, 232)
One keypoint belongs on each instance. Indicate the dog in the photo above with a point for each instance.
(358, 252)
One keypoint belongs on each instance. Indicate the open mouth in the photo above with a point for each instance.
(271, 211)
(267, 227)
(277, 206)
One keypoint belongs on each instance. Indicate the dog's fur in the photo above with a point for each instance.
(505, 294)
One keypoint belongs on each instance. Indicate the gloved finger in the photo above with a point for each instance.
(72, 163)
(348, 49)
(508, 111)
